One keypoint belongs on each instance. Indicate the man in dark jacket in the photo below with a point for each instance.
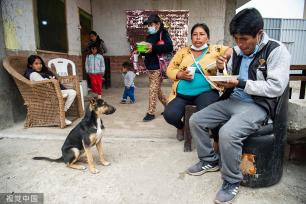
(263, 68)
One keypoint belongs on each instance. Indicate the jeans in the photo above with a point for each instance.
(129, 92)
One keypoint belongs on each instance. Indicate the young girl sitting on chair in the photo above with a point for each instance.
(37, 71)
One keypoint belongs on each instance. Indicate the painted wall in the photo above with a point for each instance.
(229, 14)
(18, 24)
(73, 31)
(11, 110)
(73, 24)
(109, 18)
(84, 4)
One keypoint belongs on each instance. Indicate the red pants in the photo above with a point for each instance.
(96, 83)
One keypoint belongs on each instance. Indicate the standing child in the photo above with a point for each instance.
(129, 86)
(37, 71)
(95, 68)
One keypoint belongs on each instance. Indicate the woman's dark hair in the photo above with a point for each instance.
(246, 22)
(127, 65)
(202, 25)
(45, 72)
(154, 18)
(32, 59)
(95, 33)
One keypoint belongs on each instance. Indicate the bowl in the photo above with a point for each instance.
(141, 48)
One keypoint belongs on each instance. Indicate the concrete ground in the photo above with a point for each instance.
(148, 165)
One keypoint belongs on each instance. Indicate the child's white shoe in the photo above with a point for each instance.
(68, 122)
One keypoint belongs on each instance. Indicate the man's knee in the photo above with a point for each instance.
(228, 137)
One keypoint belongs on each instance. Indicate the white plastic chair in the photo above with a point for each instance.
(61, 67)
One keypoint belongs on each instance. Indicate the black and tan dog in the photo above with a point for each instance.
(85, 135)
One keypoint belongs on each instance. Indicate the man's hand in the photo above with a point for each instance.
(184, 75)
(220, 61)
(224, 58)
(229, 83)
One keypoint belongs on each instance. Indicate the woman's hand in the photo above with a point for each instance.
(185, 75)
(135, 52)
(149, 47)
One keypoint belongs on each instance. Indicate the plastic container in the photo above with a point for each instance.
(141, 48)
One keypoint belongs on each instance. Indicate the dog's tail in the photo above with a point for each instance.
(59, 160)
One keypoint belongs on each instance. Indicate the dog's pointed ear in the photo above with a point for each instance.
(92, 101)
(92, 104)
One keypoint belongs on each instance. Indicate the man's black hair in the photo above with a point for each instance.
(246, 22)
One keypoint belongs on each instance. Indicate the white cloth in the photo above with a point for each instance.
(71, 94)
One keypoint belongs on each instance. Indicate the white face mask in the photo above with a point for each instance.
(199, 48)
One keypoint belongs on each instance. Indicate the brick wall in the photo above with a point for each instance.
(116, 62)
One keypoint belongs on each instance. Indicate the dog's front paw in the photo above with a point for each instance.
(94, 171)
(105, 163)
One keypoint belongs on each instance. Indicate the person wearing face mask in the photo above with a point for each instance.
(263, 66)
(189, 88)
(156, 32)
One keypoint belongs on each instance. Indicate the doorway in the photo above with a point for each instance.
(86, 27)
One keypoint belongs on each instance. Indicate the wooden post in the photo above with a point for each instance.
(189, 110)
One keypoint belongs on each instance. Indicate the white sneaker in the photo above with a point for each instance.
(68, 122)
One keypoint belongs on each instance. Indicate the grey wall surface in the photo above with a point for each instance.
(19, 24)
(19, 33)
(109, 18)
(12, 109)
(230, 12)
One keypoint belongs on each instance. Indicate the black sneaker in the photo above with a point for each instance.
(148, 117)
(227, 193)
(123, 101)
(202, 167)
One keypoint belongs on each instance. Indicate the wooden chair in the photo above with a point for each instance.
(43, 99)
